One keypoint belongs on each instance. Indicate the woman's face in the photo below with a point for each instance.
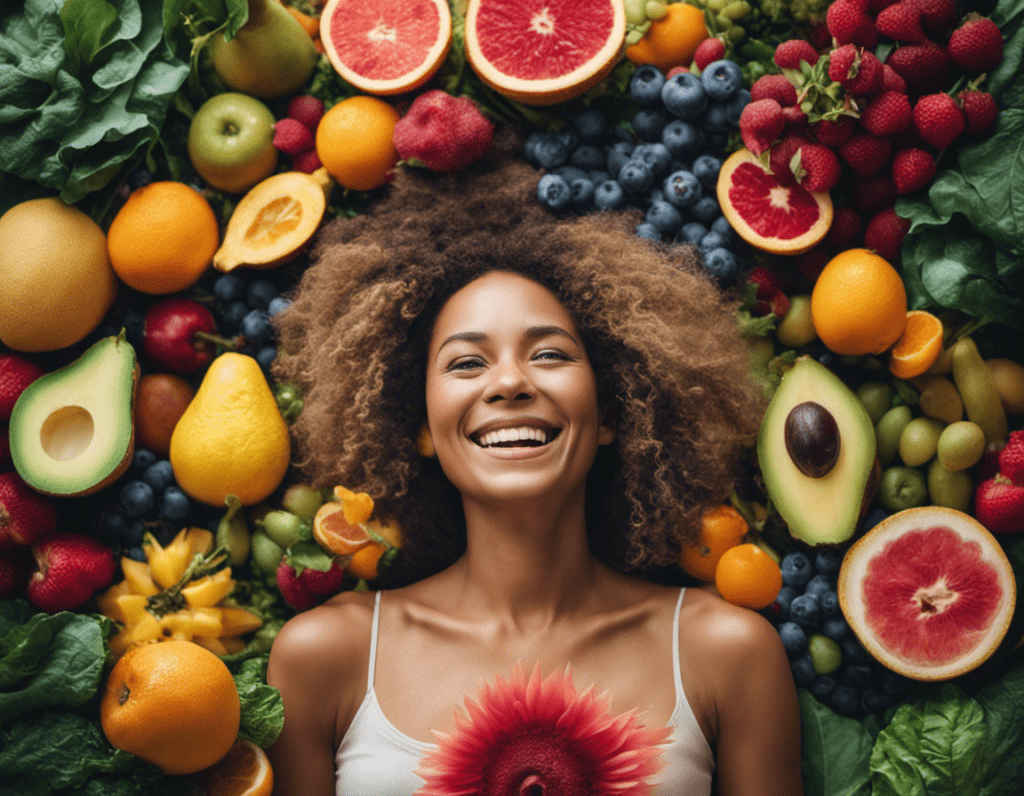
(511, 396)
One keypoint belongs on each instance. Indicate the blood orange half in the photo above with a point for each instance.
(540, 52)
(929, 592)
(386, 47)
(782, 219)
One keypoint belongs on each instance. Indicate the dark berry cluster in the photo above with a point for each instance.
(665, 162)
(825, 656)
(244, 307)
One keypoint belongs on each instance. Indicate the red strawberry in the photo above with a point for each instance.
(925, 67)
(912, 169)
(15, 566)
(874, 6)
(6, 463)
(709, 51)
(761, 122)
(776, 87)
(294, 593)
(846, 226)
(846, 21)
(768, 282)
(884, 234)
(71, 568)
(938, 119)
(789, 54)
(977, 45)
(874, 193)
(777, 304)
(979, 109)
(937, 16)
(1011, 458)
(812, 262)
(888, 113)
(292, 137)
(999, 505)
(781, 154)
(987, 467)
(15, 375)
(901, 22)
(858, 71)
(306, 162)
(833, 132)
(891, 80)
(25, 515)
(795, 118)
(817, 167)
(307, 109)
(446, 133)
(819, 37)
(324, 583)
(865, 153)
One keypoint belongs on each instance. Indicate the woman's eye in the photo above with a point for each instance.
(549, 354)
(465, 363)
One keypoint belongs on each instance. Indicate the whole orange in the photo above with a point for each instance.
(746, 575)
(671, 40)
(354, 142)
(364, 562)
(859, 304)
(721, 528)
(163, 238)
(173, 704)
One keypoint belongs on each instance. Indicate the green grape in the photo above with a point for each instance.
(655, 10)
(723, 22)
(717, 5)
(735, 34)
(636, 11)
(736, 10)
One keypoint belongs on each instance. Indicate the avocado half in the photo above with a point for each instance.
(825, 509)
(72, 431)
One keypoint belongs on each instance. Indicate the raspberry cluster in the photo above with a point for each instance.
(295, 134)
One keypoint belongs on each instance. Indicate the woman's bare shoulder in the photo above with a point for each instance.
(723, 629)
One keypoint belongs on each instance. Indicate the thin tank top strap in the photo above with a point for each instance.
(676, 674)
(373, 643)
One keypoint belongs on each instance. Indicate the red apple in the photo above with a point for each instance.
(170, 338)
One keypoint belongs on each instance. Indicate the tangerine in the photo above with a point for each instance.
(721, 528)
(244, 771)
(918, 347)
(354, 142)
(859, 304)
(335, 533)
(672, 40)
(163, 238)
(173, 704)
(365, 561)
(746, 575)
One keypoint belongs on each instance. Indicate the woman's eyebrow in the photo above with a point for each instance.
(532, 333)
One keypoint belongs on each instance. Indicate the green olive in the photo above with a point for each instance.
(888, 431)
(961, 445)
(266, 553)
(953, 490)
(939, 398)
(920, 440)
(902, 488)
(796, 329)
(876, 397)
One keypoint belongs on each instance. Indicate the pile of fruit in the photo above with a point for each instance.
(807, 151)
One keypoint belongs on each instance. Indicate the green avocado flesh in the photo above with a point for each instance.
(72, 430)
(822, 510)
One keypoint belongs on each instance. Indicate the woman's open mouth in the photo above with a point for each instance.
(516, 437)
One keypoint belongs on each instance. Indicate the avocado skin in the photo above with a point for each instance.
(825, 510)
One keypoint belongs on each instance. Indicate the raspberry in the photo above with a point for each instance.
(761, 123)
(446, 133)
(789, 54)
(938, 119)
(775, 87)
(831, 132)
(979, 109)
(912, 169)
(292, 137)
(818, 167)
(709, 51)
(307, 162)
(874, 193)
(977, 45)
(891, 80)
(901, 22)
(865, 153)
(675, 70)
(888, 113)
(884, 234)
(307, 109)
(925, 67)
(846, 226)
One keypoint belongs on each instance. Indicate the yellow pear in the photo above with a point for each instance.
(231, 440)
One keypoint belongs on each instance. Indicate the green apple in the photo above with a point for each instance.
(231, 142)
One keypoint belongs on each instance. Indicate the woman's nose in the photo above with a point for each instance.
(508, 382)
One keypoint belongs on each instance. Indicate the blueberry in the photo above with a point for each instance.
(175, 506)
(682, 189)
(721, 263)
(568, 138)
(136, 554)
(722, 226)
(875, 700)
(260, 293)
(582, 195)
(137, 498)
(228, 288)
(135, 533)
(655, 195)
(805, 611)
(554, 192)
(803, 671)
(134, 324)
(721, 79)
(794, 639)
(874, 516)
(706, 168)
(685, 95)
(265, 356)
(734, 107)
(646, 84)
(276, 305)
(691, 233)
(590, 125)
(859, 674)
(828, 561)
(895, 683)
(683, 139)
(620, 133)
(780, 608)
(609, 196)
(845, 700)
(656, 156)
(717, 119)
(138, 177)
(818, 585)
(822, 687)
(550, 152)
(796, 570)
(256, 327)
(706, 209)
(530, 148)
(649, 123)
(230, 317)
(712, 241)
(141, 460)
(665, 218)
(597, 176)
(647, 230)
(619, 154)
(835, 628)
(159, 475)
(853, 650)
(570, 173)
(587, 157)
(115, 524)
(636, 177)
(828, 600)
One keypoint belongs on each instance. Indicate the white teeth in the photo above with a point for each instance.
(513, 435)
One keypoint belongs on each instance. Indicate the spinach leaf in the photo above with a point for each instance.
(936, 745)
(262, 708)
(87, 28)
(1003, 701)
(835, 750)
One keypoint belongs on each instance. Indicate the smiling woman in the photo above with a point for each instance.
(586, 395)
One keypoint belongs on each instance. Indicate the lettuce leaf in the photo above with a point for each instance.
(1003, 702)
(262, 708)
(835, 750)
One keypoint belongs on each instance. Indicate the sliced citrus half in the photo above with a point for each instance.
(918, 347)
(333, 532)
(540, 53)
(244, 771)
(384, 47)
(782, 219)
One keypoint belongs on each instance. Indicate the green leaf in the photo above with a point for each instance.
(262, 708)
(936, 746)
(88, 25)
(835, 750)
(1003, 701)
(309, 555)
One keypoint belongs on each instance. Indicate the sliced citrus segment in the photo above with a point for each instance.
(366, 562)
(386, 47)
(782, 219)
(543, 53)
(334, 533)
(244, 771)
(918, 347)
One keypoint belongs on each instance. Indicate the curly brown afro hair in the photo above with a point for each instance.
(661, 337)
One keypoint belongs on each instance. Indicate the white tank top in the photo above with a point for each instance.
(375, 758)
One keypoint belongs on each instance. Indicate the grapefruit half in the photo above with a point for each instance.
(929, 592)
(384, 47)
(782, 219)
(540, 52)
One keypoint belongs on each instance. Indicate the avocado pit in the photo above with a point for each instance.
(812, 439)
